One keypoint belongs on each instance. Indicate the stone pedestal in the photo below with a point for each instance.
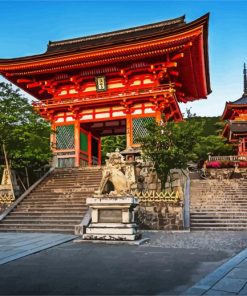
(112, 218)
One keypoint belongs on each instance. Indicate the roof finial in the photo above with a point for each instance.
(245, 81)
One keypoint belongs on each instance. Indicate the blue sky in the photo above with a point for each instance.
(27, 26)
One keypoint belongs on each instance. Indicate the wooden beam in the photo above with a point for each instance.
(174, 73)
(24, 80)
(182, 99)
(188, 45)
(177, 56)
(170, 64)
(178, 84)
(33, 85)
(181, 94)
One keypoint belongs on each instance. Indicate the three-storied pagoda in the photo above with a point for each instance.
(113, 83)
(236, 115)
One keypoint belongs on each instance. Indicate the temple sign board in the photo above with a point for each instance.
(100, 83)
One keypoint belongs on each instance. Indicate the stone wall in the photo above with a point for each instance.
(226, 173)
(160, 216)
(156, 211)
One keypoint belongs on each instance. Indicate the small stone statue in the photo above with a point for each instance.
(114, 174)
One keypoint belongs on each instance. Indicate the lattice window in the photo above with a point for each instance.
(139, 127)
(65, 137)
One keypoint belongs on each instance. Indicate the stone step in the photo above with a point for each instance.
(55, 201)
(225, 202)
(218, 220)
(52, 230)
(47, 215)
(217, 209)
(37, 226)
(61, 194)
(48, 209)
(57, 204)
(218, 196)
(82, 175)
(219, 224)
(43, 221)
(213, 215)
(65, 187)
(212, 195)
(223, 206)
(229, 211)
(212, 210)
(219, 193)
(54, 211)
(51, 206)
(215, 218)
(208, 198)
(214, 189)
(202, 205)
(218, 204)
(226, 228)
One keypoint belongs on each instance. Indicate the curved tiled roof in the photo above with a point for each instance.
(241, 101)
(115, 37)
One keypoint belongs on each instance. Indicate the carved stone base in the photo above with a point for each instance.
(112, 219)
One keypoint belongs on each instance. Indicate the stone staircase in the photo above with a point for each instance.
(55, 205)
(218, 204)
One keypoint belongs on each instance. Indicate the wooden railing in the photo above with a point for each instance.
(228, 158)
(116, 95)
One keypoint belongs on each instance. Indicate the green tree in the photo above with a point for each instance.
(211, 140)
(212, 145)
(170, 145)
(111, 143)
(24, 133)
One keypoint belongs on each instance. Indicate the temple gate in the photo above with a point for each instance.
(113, 83)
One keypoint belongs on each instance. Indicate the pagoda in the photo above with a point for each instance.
(114, 83)
(235, 113)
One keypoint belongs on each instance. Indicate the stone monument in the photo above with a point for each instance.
(113, 205)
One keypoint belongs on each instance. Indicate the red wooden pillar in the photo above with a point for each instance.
(128, 130)
(53, 144)
(158, 117)
(240, 147)
(89, 148)
(244, 146)
(53, 137)
(99, 151)
(77, 143)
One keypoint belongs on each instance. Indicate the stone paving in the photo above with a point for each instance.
(228, 279)
(187, 263)
(16, 245)
(231, 242)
